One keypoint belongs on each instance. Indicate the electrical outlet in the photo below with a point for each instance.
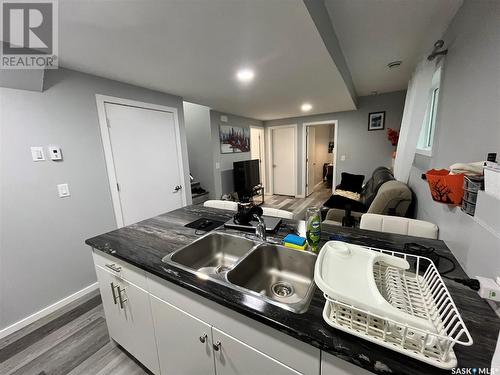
(55, 153)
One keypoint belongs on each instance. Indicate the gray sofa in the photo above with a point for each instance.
(382, 194)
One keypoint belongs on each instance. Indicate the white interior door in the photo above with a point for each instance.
(144, 148)
(310, 159)
(283, 158)
(257, 151)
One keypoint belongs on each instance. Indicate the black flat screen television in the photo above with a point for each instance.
(246, 175)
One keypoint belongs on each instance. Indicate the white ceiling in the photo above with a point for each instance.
(193, 48)
(373, 33)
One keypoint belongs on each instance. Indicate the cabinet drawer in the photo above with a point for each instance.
(120, 268)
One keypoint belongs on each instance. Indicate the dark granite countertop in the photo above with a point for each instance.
(144, 244)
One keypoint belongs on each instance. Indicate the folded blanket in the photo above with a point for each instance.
(347, 194)
(467, 168)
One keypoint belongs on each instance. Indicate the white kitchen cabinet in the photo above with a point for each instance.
(161, 324)
(107, 286)
(331, 365)
(128, 316)
(289, 351)
(184, 342)
(233, 357)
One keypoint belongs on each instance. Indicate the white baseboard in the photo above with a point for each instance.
(46, 311)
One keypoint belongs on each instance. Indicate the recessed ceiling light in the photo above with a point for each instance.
(394, 64)
(245, 75)
(306, 107)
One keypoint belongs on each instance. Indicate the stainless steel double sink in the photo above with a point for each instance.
(273, 273)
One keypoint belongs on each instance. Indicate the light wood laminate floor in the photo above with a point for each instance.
(73, 340)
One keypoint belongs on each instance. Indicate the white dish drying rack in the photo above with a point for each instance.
(420, 292)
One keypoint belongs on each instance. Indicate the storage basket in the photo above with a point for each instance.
(445, 187)
(473, 183)
(468, 207)
(470, 196)
(420, 292)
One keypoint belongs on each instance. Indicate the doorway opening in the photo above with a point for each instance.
(320, 155)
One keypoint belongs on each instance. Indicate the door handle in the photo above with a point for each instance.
(120, 299)
(114, 267)
(177, 188)
(203, 338)
(217, 346)
(113, 292)
(274, 166)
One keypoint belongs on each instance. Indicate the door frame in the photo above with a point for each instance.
(264, 156)
(270, 155)
(101, 101)
(334, 154)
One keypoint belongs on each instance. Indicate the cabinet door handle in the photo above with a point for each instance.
(113, 292)
(114, 267)
(217, 346)
(203, 338)
(120, 299)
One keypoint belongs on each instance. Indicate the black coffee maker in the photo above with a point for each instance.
(246, 212)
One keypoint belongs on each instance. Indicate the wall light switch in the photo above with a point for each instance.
(342, 157)
(63, 190)
(217, 165)
(223, 118)
(37, 153)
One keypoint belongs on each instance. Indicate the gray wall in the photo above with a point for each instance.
(43, 257)
(364, 150)
(223, 177)
(22, 79)
(467, 128)
(199, 143)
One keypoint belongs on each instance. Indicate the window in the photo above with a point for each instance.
(424, 145)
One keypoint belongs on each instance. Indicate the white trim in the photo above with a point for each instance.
(423, 152)
(335, 151)
(101, 100)
(47, 310)
(270, 156)
(264, 175)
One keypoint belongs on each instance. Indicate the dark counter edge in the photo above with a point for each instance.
(369, 365)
